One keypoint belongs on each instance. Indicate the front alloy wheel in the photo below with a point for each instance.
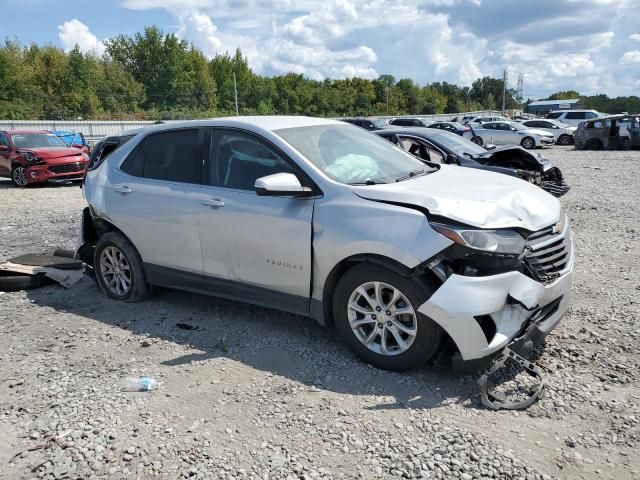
(528, 143)
(382, 318)
(375, 309)
(19, 176)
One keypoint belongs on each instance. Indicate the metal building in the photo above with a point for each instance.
(542, 107)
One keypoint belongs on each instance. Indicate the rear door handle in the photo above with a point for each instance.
(213, 203)
(122, 189)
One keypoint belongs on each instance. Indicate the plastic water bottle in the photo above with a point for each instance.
(141, 384)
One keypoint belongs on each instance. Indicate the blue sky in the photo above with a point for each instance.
(592, 46)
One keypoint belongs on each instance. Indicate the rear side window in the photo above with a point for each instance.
(576, 116)
(106, 148)
(174, 156)
(554, 115)
(134, 163)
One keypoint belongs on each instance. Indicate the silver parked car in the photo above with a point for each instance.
(562, 133)
(321, 218)
(510, 133)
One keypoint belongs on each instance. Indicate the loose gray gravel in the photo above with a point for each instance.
(254, 393)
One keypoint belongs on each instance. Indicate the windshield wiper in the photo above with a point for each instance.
(413, 173)
(369, 182)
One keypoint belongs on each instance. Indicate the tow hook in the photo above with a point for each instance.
(497, 401)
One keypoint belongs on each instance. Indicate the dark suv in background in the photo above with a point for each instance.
(367, 123)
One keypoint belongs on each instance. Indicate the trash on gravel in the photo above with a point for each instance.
(186, 326)
(141, 384)
(36, 270)
(498, 401)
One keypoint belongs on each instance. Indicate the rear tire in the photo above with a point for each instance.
(410, 338)
(118, 269)
(593, 144)
(528, 143)
(565, 139)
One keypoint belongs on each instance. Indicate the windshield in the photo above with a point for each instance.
(36, 140)
(517, 126)
(378, 122)
(457, 144)
(351, 155)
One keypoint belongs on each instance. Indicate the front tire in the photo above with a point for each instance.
(528, 143)
(376, 312)
(118, 269)
(19, 176)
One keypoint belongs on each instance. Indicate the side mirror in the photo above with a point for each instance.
(4, 147)
(489, 146)
(452, 159)
(281, 185)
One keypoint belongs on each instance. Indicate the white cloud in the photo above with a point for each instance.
(427, 40)
(631, 57)
(74, 32)
(199, 29)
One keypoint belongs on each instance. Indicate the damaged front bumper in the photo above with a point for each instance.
(482, 315)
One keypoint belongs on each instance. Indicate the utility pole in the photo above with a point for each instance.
(235, 92)
(520, 88)
(504, 89)
(387, 97)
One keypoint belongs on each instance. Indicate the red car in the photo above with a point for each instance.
(32, 156)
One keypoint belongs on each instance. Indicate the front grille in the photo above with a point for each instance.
(556, 188)
(67, 167)
(548, 254)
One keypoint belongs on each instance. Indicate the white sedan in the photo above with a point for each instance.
(511, 133)
(562, 132)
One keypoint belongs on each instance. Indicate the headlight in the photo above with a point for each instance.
(32, 159)
(503, 241)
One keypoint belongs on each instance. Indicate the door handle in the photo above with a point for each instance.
(122, 189)
(213, 203)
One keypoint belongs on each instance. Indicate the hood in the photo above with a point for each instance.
(48, 153)
(473, 197)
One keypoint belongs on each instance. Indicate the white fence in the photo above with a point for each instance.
(92, 130)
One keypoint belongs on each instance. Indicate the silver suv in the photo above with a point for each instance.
(321, 218)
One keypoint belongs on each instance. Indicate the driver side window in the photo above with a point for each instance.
(421, 150)
(238, 159)
(4, 140)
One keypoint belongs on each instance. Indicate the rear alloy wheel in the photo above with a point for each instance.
(477, 140)
(564, 139)
(376, 312)
(594, 144)
(528, 143)
(19, 176)
(118, 269)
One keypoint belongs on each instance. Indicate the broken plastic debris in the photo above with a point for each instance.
(186, 326)
(497, 401)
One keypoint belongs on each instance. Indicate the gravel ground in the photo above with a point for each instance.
(256, 393)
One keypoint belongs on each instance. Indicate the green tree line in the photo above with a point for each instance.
(154, 75)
